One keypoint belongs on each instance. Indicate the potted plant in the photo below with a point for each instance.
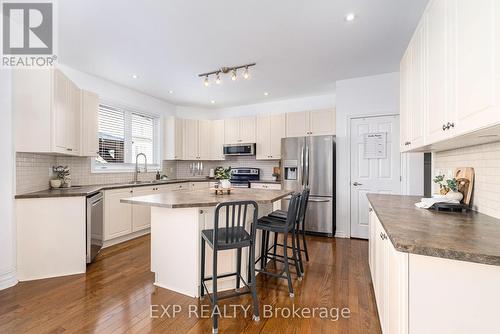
(223, 175)
(64, 175)
(448, 187)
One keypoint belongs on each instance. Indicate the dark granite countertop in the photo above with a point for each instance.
(92, 189)
(471, 237)
(206, 198)
(266, 181)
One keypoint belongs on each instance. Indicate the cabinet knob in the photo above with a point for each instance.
(444, 127)
(452, 125)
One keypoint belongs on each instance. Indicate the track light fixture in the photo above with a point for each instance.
(225, 70)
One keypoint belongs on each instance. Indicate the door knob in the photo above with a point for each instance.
(357, 184)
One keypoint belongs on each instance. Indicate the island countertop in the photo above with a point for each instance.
(471, 237)
(206, 198)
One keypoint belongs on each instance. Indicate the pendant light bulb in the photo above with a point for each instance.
(217, 80)
(205, 82)
(246, 75)
(233, 76)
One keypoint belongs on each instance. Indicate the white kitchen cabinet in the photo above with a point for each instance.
(310, 123)
(204, 139)
(117, 215)
(389, 269)
(89, 124)
(440, 70)
(405, 100)
(190, 139)
(66, 114)
(459, 41)
(268, 186)
(418, 86)
(46, 106)
(478, 74)
(239, 130)
(217, 143)
(141, 215)
(173, 138)
(198, 185)
(270, 131)
(197, 139)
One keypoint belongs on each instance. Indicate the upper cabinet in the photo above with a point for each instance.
(90, 124)
(197, 136)
(450, 76)
(239, 130)
(310, 123)
(477, 63)
(217, 144)
(270, 131)
(173, 138)
(48, 109)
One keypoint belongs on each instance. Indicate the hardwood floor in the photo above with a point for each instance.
(116, 294)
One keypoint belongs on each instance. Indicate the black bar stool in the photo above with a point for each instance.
(281, 214)
(278, 226)
(232, 236)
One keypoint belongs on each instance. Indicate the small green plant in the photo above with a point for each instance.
(63, 173)
(222, 173)
(445, 185)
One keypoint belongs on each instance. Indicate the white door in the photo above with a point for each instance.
(379, 175)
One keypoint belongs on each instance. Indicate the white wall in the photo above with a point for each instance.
(7, 170)
(271, 107)
(112, 92)
(374, 95)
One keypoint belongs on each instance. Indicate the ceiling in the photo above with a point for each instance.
(301, 47)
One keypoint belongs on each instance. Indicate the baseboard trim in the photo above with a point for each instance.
(340, 234)
(8, 280)
(119, 240)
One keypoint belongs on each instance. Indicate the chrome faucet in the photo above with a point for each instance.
(137, 171)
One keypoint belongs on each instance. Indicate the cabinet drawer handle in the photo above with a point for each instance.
(69, 149)
(452, 125)
(444, 127)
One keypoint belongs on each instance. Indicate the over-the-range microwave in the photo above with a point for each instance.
(239, 149)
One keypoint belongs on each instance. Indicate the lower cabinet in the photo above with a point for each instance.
(424, 294)
(389, 269)
(125, 221)
(268, 186)
(117, 215)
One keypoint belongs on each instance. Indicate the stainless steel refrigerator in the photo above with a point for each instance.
(310, 162)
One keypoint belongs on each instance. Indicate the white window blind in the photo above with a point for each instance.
(111, 134)
(142, 136)
(122, 135)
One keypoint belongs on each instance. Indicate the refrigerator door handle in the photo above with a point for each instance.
(307, 166)
(317, 200)
(302, 165)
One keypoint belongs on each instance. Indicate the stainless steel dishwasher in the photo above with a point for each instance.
(95, 220)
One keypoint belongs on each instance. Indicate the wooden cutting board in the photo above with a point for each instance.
(465, 179)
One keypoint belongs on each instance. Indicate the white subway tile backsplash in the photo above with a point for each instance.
(485, 159)
(34, 171)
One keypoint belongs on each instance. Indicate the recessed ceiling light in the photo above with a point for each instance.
(170, 91)
(350, 17)
(213, 101)
(134, 76)
(266, 93)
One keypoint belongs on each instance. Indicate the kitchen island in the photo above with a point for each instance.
(177, 219)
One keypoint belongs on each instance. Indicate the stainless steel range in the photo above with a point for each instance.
(241, 177)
